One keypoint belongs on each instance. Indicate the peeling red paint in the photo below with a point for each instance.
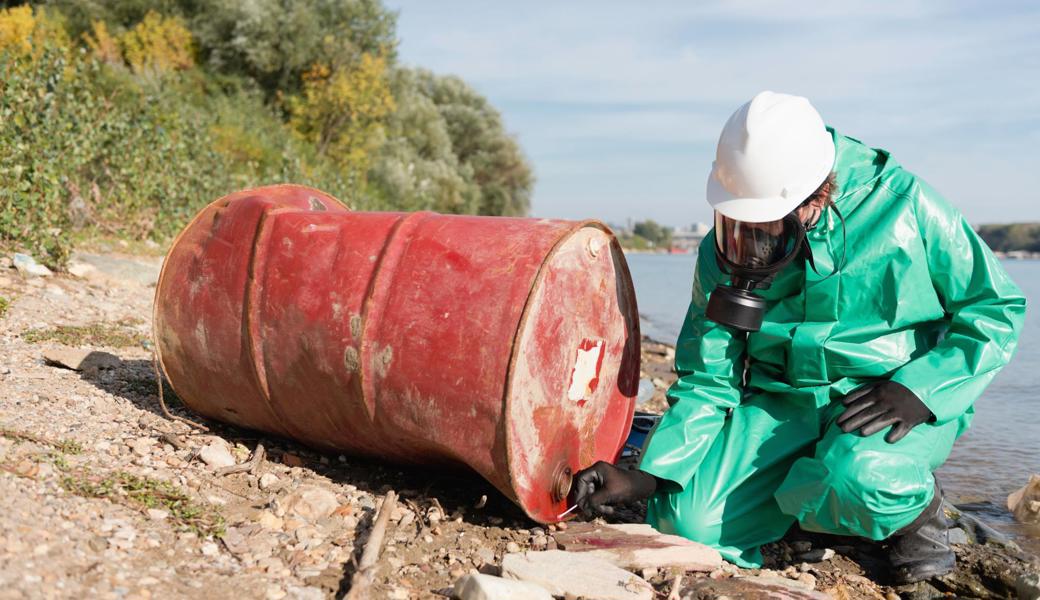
(418, 338)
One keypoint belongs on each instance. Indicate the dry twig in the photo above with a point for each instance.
(173, 440)
(250, 466)
(162, 399)
(366, 570)
(437, 503)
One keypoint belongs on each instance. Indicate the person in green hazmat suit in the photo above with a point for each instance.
(844, 319)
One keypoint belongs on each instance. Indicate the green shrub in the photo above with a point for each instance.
(109, 128)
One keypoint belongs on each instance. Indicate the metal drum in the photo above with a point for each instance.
(509, 345)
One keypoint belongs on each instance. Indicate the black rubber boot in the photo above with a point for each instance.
(921, 550)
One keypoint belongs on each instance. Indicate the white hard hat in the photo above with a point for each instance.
(773, 153)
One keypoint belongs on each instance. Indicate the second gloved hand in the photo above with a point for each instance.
(603, 485)
(874, 407)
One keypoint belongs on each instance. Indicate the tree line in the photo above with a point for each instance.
(124, 117)
(1012, 237)
(645, 235)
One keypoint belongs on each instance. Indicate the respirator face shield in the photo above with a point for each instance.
(757, 247)
(751, 253)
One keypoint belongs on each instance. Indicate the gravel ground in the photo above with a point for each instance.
(106, 497)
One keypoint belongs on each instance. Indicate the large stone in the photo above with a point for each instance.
(752, 588)
(28, 266)
(1028, 586)
(79, 359)
(638, 546)
(577, 574)
(477, 586)
(140, 270)
(1025, 503)
(81, 270)
(310, 502)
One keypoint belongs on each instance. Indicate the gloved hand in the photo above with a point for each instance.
(603, 484)
(871, 408)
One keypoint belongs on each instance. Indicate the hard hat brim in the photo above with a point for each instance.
(749, 210)
(761, 210)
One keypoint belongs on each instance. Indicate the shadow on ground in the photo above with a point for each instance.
(457, 490)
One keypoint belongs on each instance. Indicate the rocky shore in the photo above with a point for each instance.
(106, 496)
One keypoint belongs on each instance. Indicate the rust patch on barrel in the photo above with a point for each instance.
(355, 327)
(383, 360)
(351, 360)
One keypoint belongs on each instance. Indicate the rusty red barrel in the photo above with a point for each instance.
(506, 344)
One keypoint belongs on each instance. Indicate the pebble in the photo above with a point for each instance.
(217, 454)
(484, 555)
(296, 592)
(142, 446)
(808, 579)
(157, 514)
(79, 269)
(512, 547)
(268, 520)
(210, 549)
(311, 502)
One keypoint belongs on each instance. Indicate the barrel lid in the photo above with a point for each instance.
(575, 369)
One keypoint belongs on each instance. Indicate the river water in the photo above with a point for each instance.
(995, 457)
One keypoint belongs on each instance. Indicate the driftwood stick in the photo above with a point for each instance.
(366, 571)
(250, 465)
(437, 503)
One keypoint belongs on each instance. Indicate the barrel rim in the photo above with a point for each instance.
(629, 289)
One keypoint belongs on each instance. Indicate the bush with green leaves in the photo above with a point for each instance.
(447, 150)
(107, 127)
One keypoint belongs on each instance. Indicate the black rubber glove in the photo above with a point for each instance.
(602, 485)
(874, 407)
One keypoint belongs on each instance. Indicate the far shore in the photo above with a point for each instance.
(1013, 255)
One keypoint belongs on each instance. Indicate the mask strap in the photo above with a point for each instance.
(807, 252)
(841, 263)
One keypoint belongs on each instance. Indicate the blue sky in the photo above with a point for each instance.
(618, 105)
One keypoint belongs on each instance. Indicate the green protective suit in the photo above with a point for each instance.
(919, 300)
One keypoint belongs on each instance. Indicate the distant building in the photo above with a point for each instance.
(688, 239)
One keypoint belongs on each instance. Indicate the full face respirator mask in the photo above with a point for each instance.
(752, 253)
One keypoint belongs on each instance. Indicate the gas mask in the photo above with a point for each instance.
(752, 253)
